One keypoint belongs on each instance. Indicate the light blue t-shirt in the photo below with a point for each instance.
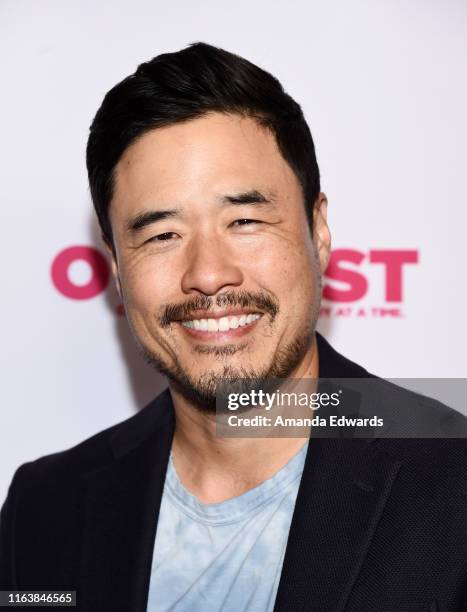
(223, 557)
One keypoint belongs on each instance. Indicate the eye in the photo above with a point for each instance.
(240, 222)
(162, 237)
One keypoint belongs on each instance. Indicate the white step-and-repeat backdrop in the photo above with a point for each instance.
(382, 83)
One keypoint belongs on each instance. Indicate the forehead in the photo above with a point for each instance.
(199, 159)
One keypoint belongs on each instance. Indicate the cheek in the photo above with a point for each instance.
(291, 275)
(288, 272)
(145, 285)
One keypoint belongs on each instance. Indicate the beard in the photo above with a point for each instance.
(204, 391)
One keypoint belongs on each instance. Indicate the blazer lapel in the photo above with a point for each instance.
(344, 487)
(343, 490)
(121, 512)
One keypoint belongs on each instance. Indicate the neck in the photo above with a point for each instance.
(214, 468)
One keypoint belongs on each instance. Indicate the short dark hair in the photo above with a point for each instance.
(176, 87)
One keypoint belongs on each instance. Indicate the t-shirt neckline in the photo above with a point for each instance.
(236, 508)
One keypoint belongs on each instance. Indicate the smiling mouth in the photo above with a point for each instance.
(222, 324)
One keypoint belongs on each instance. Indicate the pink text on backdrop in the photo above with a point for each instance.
(100, 272)
(391, 260)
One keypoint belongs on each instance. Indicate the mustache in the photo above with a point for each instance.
(245, 299)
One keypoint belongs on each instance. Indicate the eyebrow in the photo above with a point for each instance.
(142, 220)
(249, 197)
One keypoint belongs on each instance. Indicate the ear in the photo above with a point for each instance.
(321, 233)
(114, 266)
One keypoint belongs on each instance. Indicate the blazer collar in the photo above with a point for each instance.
(121, 511)
(344, 487)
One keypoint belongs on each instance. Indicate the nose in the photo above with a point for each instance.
(210, 267)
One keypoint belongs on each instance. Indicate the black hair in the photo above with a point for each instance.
(176, 87)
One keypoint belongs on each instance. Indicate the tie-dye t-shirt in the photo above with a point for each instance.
(226, 556)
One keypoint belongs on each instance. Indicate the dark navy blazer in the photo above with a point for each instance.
(379, 525)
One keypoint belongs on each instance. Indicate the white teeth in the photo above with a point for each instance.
(212, 325)
(223, 324)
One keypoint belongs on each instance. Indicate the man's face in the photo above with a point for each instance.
(223, 280)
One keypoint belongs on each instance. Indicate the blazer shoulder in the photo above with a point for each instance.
(96, 451)
(440, 452)
(334, 365)
(437, 450)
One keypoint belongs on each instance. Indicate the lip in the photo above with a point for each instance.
(221, 336)
(218, 314)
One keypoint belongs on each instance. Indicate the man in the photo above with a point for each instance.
(205, 182)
